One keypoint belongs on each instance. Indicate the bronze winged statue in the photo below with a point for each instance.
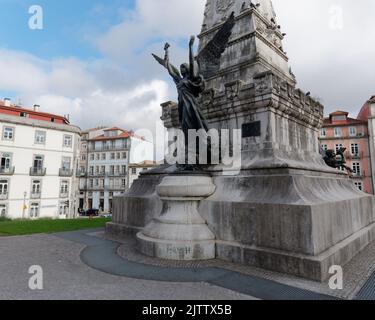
(190, 79)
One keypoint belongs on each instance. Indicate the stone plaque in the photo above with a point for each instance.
(251, 129)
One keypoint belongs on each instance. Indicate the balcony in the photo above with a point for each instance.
(63, 172)
(109, 148)
(6, 171)
(97, 174)
(117, 174)
(4, 196)
(81, 174)
(37, 171)
(115, 188)
(35, 195)
(64, 194)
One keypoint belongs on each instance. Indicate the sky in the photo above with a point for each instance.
(91, 60)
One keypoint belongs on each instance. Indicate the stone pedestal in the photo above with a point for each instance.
(284, 209)
(180, 233)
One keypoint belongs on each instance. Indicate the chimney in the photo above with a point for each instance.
(36, 107)
(7, 102)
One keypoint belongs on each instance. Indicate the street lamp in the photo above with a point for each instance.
(24, 204)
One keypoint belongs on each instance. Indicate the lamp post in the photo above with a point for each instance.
(24, 204)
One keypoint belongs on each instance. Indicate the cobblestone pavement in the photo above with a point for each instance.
(357, 274)
(67, 277)
(87, 265)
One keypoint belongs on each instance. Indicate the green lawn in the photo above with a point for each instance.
(25, 227)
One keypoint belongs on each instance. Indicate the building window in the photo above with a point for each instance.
(92, 157)
(113, 156)
(64, 209)
(352, 131)
(118, 156)
(64, 188)
(68, 141)
(3, 210)
(339, 118)
(337, 132)
(323, 132)
(34, 210)
(356, 168)
(359, 185)
(38, 161)
(338, 147)
(324, 147)
(40, 137)
(354, 149)
(123, 183)
(124, 155)
(134, 170)
(123, 169)
(91, 183)
(4, 189)
(5, 162)
(83, 158)
(112, 170)
(104, 156)
(98, 156)
(36, 188)
(66, 163)
(8, 133)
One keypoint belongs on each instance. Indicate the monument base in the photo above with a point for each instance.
(293, 221)
(180, 233)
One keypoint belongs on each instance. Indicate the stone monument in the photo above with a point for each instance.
(286, 210)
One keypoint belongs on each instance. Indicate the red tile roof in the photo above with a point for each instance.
(339, 113)
(123, 135)
(365, 112)
(113, 129)
(349, 121)
(31, 114)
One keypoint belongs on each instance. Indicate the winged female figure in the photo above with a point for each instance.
(190, 79)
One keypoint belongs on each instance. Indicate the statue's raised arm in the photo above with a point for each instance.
(172, 70)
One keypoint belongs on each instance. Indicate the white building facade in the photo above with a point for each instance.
(108, 153)
(38, 154)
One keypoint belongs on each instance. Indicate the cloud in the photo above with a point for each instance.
(331, 49)
(125, 87)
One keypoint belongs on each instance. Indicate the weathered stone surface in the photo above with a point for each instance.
(286, 210)
(180, 233)
(291, 221)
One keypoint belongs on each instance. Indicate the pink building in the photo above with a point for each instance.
(338, 131)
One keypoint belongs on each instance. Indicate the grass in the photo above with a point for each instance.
(26, 227)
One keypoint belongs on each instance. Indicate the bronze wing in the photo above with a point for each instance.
(209, 57)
